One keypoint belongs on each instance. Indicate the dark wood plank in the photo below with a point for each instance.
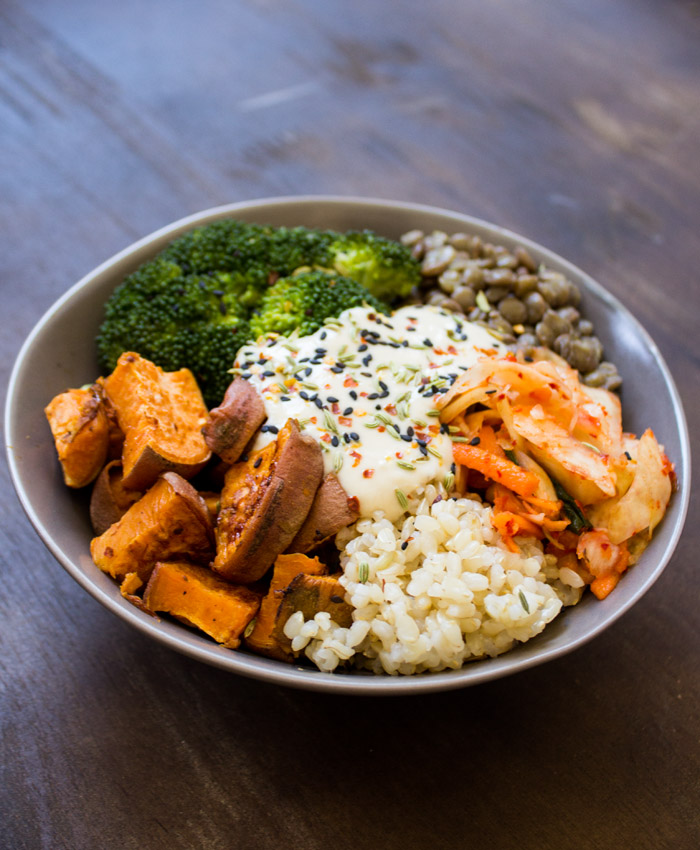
(575, 124)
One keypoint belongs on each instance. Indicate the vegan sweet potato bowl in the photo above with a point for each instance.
(60, 353)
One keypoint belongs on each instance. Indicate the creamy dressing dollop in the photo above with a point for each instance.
(364, 386)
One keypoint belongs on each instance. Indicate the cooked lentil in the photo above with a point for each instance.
(522, 302)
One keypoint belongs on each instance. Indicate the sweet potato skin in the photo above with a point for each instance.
(331, 510)
(80, 429)
(311, 594)
(195, 596)
(110, 500)
(169, 521)
(287, 567)
(232, 425)
(161, 415)
(263, 504)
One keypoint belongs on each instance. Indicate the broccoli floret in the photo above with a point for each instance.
(190, 306)
(306, 299)
(175, 320)
(385, 267)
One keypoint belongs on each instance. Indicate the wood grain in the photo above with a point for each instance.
(575, 124)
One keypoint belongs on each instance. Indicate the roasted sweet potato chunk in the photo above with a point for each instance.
(311, 594)
(195, 596)
(331, 510)
(170, 521)
(231, 426)
(263, 504)
(287, 567)
(110, 500)
(80, 429)
(161, 415)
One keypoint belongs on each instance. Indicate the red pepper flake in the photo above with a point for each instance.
(434, 429)
(439, 351)
(452, 350)
(345, 420)
(357, 456)
(326, 437)
(368, 473)
(349, 382)
(391, 409)
(335, 407)
(313, 419)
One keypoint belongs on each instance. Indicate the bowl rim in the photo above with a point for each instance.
(279, 673)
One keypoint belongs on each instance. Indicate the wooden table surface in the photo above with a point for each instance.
(577, 124)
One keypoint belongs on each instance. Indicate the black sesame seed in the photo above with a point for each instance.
(332, 399)
(407, 438)
(396, 427)
(372, 396)
(347, 411)
(366, 360)
(383, 386)
(285, 398)
(320, 351)
(346, 437)
(244, 458)
(423, 450)
(273, 429)
(404, 545)
(267, 374)
(410, 431)
(475, 441)
(354, 437)
(318, 403)
(428, 342)
(246, 375)
(362, 347)
(334, 440)
(353, 395)
(304, 395)
(422, 443)
(336, 369)
(257, 462)
(308, 371)
(453, 468)
(323, 335)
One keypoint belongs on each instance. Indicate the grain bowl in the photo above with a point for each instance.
(55, 357)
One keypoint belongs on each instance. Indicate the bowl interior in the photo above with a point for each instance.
(60, 353)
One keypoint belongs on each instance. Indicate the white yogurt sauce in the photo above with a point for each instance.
(365, 387)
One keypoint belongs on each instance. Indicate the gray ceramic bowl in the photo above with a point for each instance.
(60, 353)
